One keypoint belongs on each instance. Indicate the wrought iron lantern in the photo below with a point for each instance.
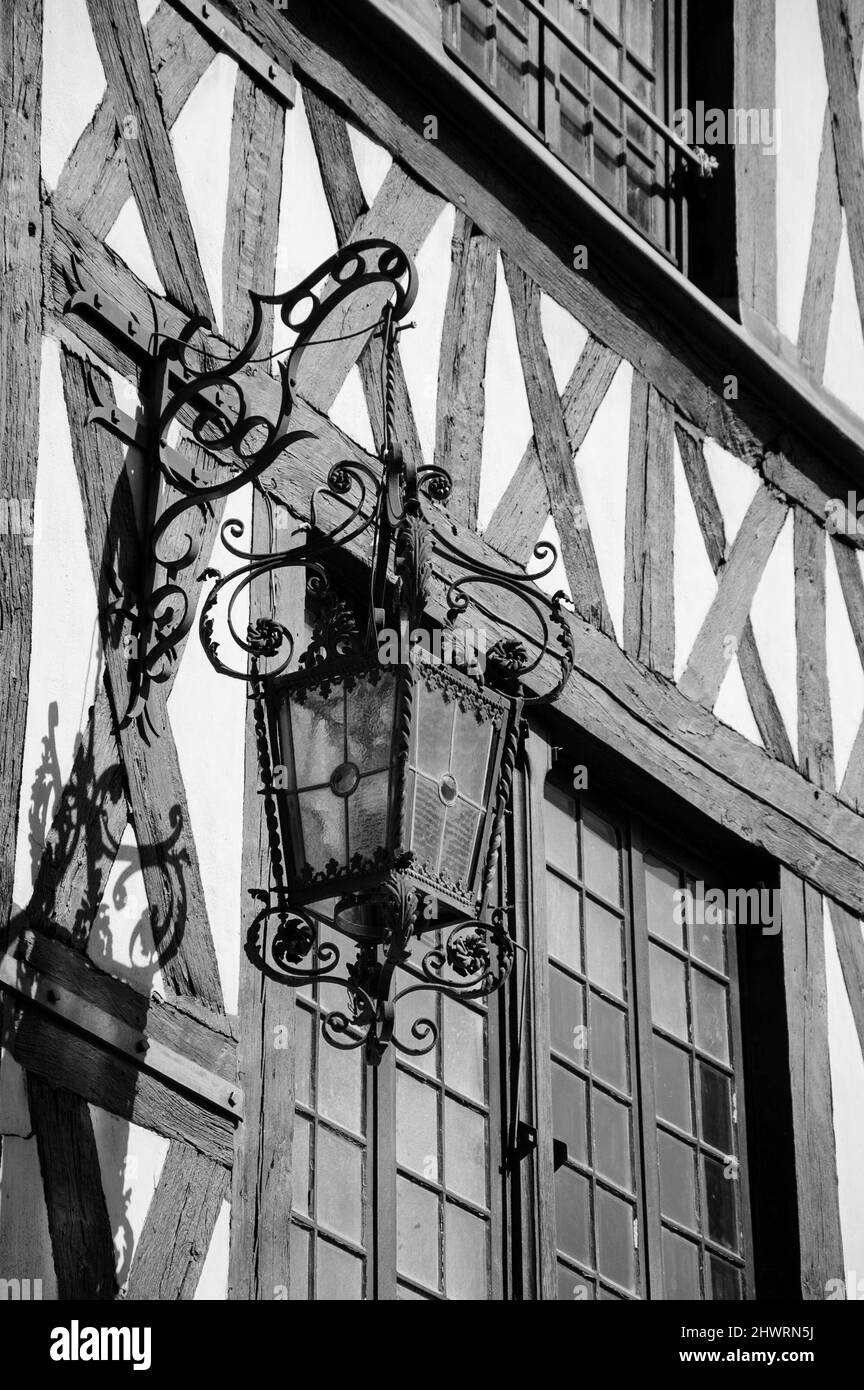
(387, 749)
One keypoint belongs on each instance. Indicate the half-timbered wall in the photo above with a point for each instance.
(719, 627)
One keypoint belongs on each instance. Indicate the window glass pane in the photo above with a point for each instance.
(616, 1257)
(612, 1139)
(572, 1216)
(720, 1217)
(573, 1285)
(708, 939)
(417, 1126)
(338, 1181)
(716, 1108)
(299, 1254)
(608, 55)
(340, 1085)
(409, 1012)
(607, 160)
(565, 1008)
(417, 1227)
(465, 1152)
(300, 1178)
(563, 915)
(607, 10)
(672, 1084)
(710, 1025)
(568, 1112)
(608, 1044)
(339, 1276)
(474, 33)
(603, 932)
(602, 860)
(668, 992)
(467, 1254)
(304, 1023)
(677, 1180)
(661, 885)
(559, 822)
(640, 29)
(464, 1050)
(725, 1280)
(680, 1268)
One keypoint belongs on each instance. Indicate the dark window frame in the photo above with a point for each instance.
(541, 108)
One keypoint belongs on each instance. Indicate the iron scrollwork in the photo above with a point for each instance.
(421, 573)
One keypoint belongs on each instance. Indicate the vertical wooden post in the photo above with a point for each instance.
(810, 1073)
(20, 353)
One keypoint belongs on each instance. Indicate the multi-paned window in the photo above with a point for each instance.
(418, 1134)
(645, 1064)
(598, 81)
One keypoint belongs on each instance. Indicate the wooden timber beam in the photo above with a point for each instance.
(637, 712)
(68, 988)
(486, 163)
(821, 1243)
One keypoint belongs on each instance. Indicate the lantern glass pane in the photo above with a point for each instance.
(471, 748)
(318, 735)
(322, 817)
(460, 837)
(370, 722)
(367, 815)
(433, 731)
(428, 823)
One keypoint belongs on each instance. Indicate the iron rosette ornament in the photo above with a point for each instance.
(387, 747)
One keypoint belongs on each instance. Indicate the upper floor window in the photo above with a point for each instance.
(599, 81)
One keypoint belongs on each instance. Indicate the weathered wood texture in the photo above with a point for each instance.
(649, 538)
(763, 703)
(720, 634)
(177, 1230)
(462, 366)
(852, 584)
(404, 212)
(252, 215)
(94, 182)
(755, 172)
(348, 207)
(203, 1036)
(521, 513)
(815, 733)
(149, 157)
(154, 781)
(20, 349)
(838, 45)
(685, 368)
(67, 1060)
(850, 949)
(554, 452)
(821, 277)
(261, 1192)
(77, 1216)
(810, 1073)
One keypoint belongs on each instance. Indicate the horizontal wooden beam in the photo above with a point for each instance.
(45, 973)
